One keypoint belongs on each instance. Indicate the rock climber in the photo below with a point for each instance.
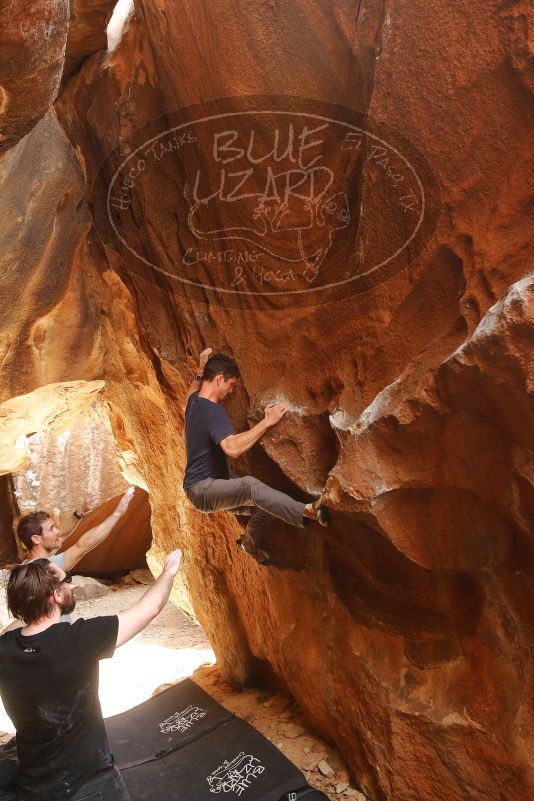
(210, 438)
(49, 685)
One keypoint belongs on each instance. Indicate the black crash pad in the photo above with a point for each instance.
(164, 723)
(181, 745)
(232, 761)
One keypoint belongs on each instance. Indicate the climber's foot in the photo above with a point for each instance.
(246, 544)
(316, 512)
(324, 518)
(261, 557)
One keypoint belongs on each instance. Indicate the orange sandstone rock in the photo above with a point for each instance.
(126, 546)
(87, 31)
(405, 631)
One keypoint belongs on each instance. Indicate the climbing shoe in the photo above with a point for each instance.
(324, 518)
(246, 544)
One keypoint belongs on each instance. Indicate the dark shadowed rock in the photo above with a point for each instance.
(32, 52)
(87, 31)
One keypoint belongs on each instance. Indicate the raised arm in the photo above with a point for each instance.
(135, 619)
(97, 534)
(237, 444)
(195, 383)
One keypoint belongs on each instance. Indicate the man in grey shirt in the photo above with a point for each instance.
(41, 537)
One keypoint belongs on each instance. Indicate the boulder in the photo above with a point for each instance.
(86, 588)
(125, 548)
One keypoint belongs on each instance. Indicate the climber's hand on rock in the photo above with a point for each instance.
(274, 412)
(173, 562)
(203, 358)
(125, 501)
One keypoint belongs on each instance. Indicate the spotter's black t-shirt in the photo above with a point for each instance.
(206, 425)
(49, 687)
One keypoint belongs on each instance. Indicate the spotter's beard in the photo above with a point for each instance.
(68, 606)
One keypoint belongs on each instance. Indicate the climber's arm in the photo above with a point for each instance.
(196, 383)
(237, 444)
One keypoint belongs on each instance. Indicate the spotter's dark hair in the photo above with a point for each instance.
(29, 590)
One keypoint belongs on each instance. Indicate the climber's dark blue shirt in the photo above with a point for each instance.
(206, 425)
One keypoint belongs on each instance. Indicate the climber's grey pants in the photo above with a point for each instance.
(246, 496)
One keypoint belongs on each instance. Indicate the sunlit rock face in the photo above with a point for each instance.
(404, 631)
(75, 470)
(49, 408)
(49, 327)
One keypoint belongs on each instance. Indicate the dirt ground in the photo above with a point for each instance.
(171, 648)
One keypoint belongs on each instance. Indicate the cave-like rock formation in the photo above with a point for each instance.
(405, 631)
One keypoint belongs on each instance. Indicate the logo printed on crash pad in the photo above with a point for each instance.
(235, 776)
(182, 721)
